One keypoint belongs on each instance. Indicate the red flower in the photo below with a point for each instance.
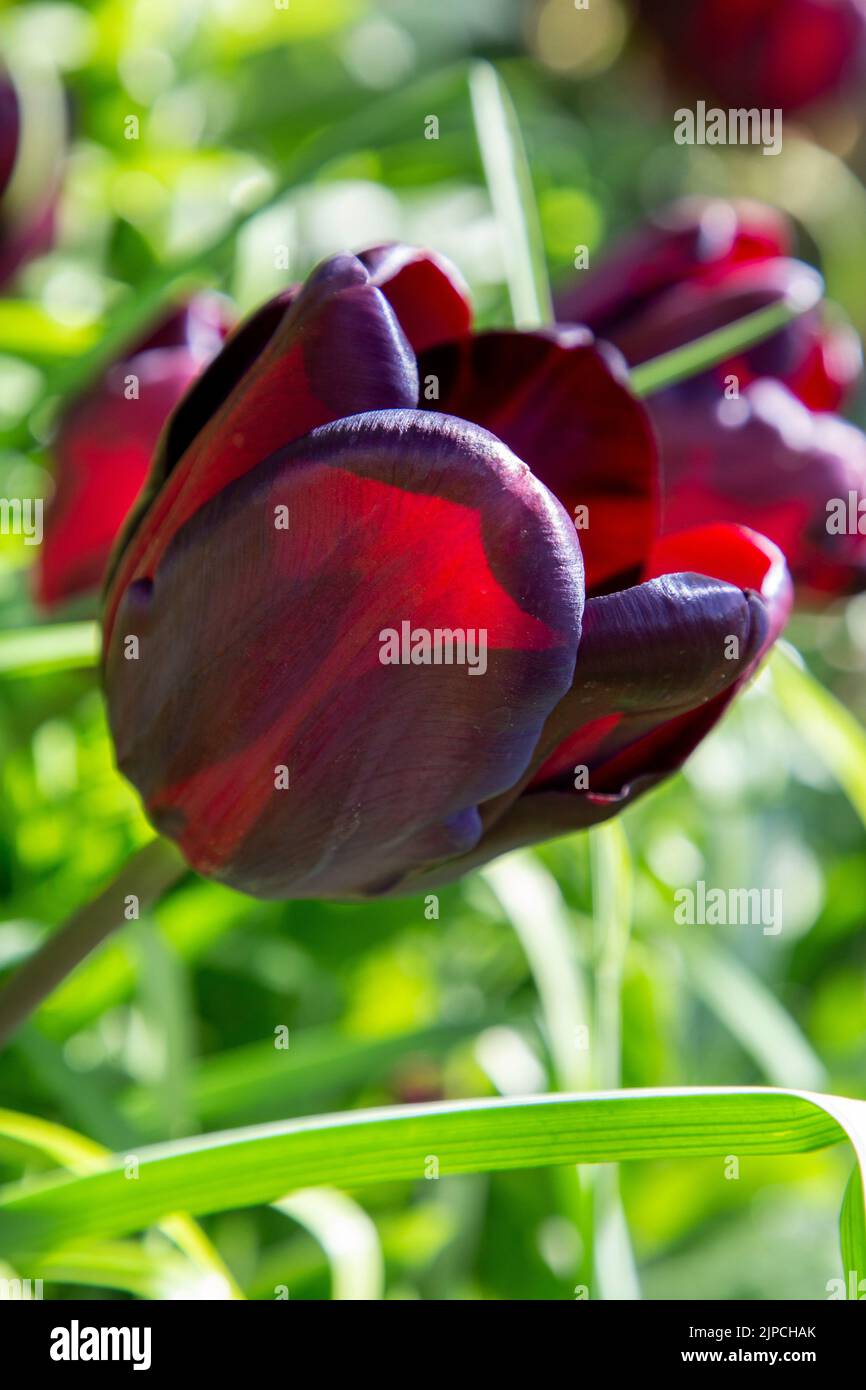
(765, 53)
(105, 441)
(355, 644)
(761, 458)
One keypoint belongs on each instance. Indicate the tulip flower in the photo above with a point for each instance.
(356, 500)
(762, 53)
(32, 139)
(105, 441)
(752, 441)
(701, 264)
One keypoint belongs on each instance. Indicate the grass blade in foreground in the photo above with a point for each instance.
(248, 1166)
(509, 180)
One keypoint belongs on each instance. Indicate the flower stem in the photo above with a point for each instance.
(703, 353)
(509, 181)
(146, 876)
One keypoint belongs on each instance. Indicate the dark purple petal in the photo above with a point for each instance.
(426, 292)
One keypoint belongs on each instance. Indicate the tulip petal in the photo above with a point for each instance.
(335, 349)
(561, 402)
(426, 292)
(261, 648)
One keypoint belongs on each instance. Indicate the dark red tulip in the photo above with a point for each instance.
(700, 265)
(761, 458)
(765, 460)
(105, 442)
(355, 490)
(765, 53)
(31, 105)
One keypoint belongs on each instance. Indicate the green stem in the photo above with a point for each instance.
(509, 181)
(699, 356)
(146, 875)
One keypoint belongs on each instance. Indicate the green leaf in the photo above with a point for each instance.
(244, 1167)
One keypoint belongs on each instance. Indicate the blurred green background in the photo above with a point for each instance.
(170, 1029)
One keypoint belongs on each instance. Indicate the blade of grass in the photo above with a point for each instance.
(248, 1166)
(348, 1237)
(509, 181)
(699, 356)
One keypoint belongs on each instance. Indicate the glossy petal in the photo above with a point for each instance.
(768, 462)
(334, 348)
(426, 292)
(105, 442)
(561, 402)
(260, 648)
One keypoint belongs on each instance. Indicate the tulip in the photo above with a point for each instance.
(784, 54)
(766, 461)
(105, 441)
(32, 140)
(752, 441)
(699, 265)
(357, 495)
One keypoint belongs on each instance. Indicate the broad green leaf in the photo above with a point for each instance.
(244, 1167)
